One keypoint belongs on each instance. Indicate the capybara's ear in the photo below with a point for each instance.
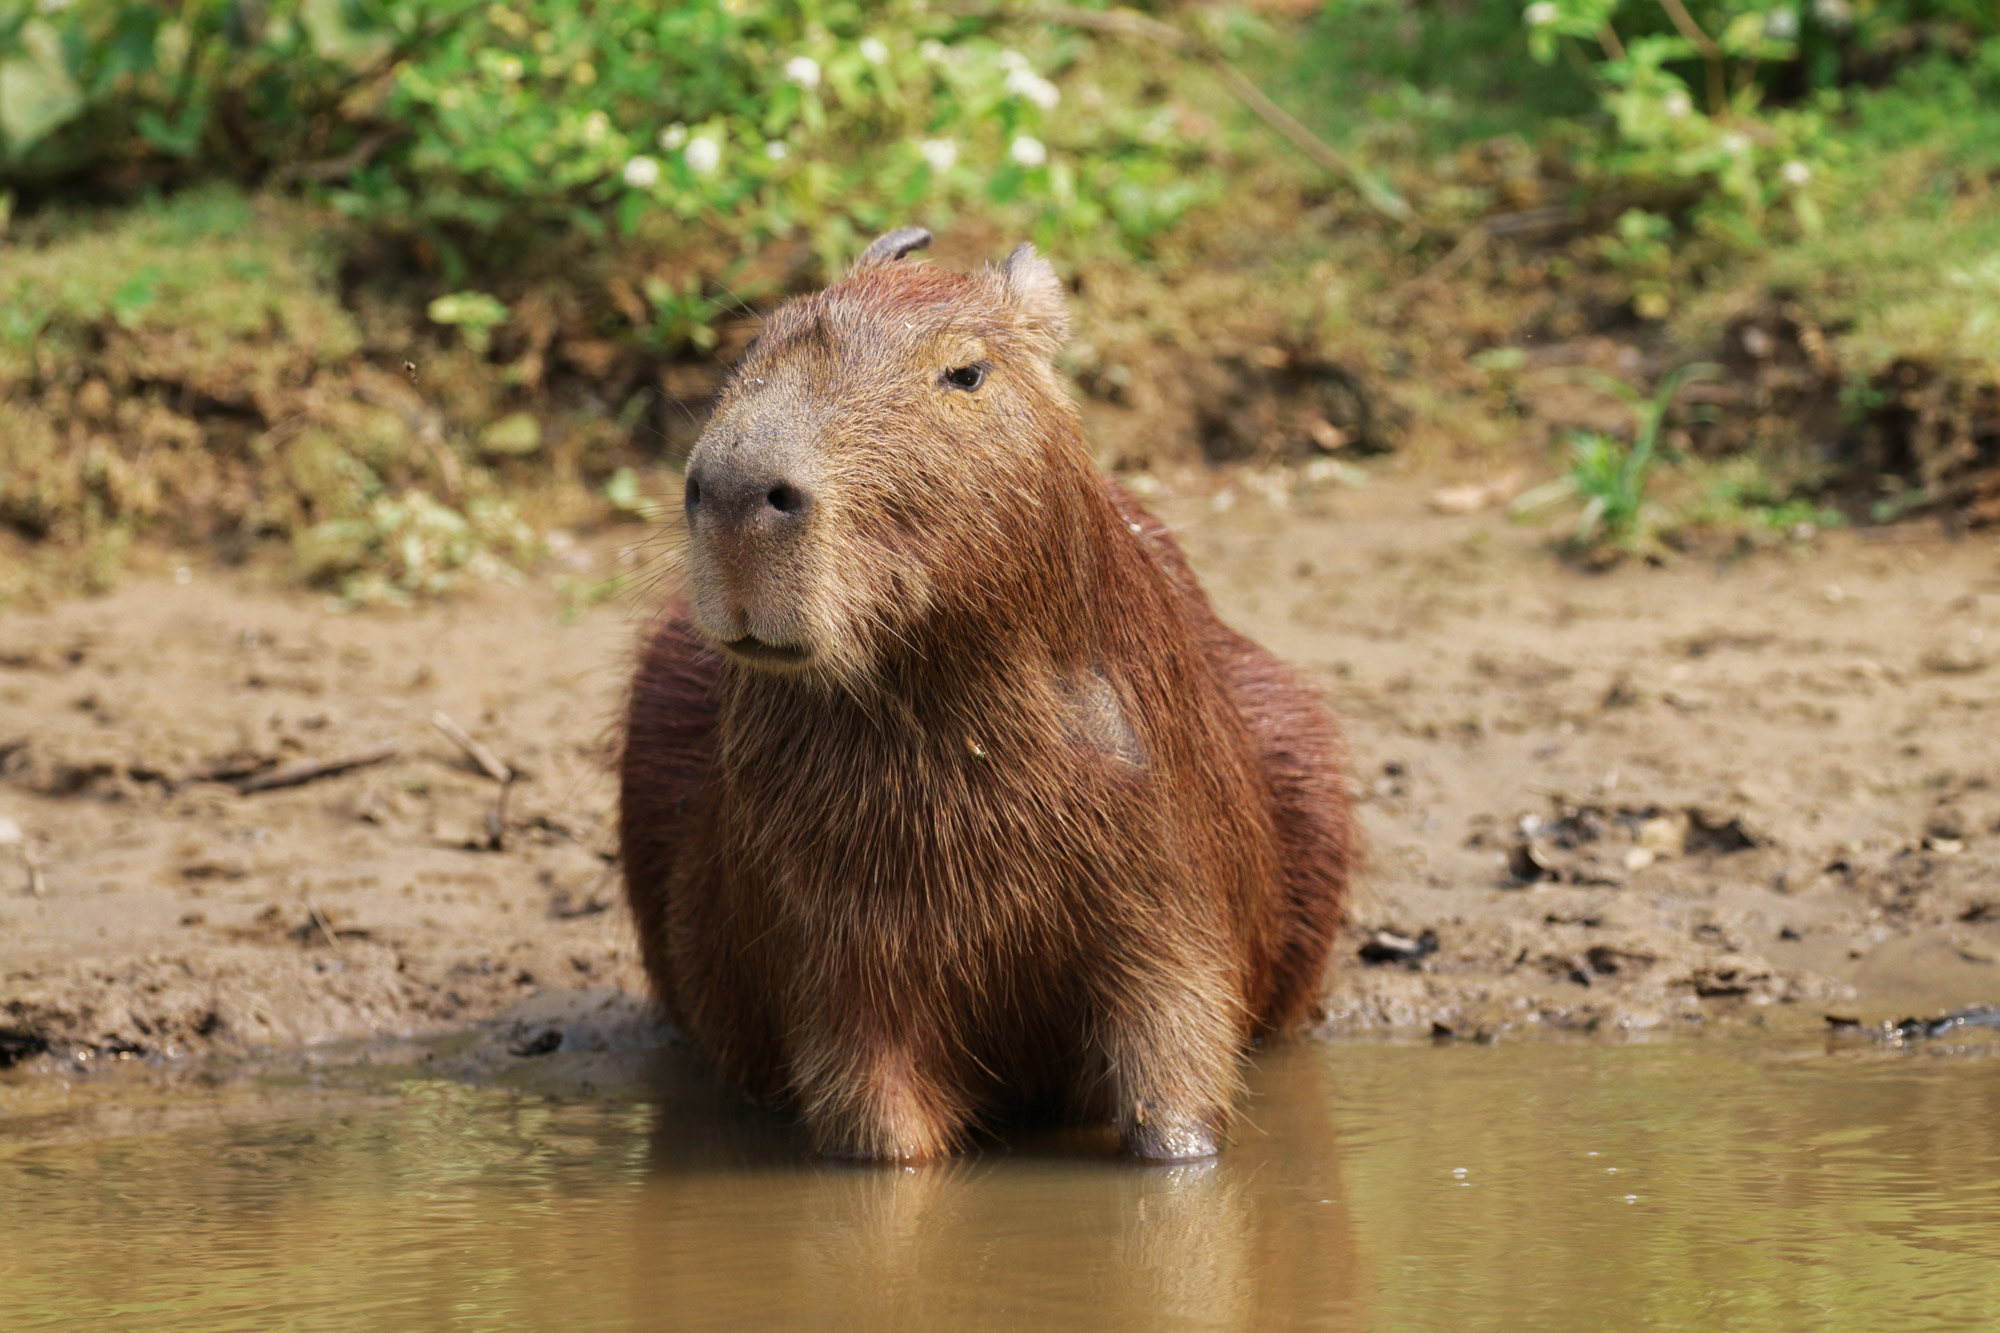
(893, 246)
(1037, 293)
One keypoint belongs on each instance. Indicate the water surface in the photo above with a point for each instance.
(1738, 1183)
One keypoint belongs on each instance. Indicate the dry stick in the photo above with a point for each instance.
(297, 775)
(1507, 224)
(1125, 23)
(488, 762)
(324, 928)
(34, 868)
(343, 166)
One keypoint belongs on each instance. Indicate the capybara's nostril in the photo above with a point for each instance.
(693, 491)
(786, 499)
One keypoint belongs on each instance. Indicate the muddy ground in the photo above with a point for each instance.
(1650, 798)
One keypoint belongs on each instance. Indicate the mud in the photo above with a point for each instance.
(1651, 798)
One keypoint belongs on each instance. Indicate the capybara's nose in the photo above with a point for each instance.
(732, 498)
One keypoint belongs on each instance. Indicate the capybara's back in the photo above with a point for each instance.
(946, 797)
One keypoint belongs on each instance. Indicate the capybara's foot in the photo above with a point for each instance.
(1159, 1135)
(883, 1113)
(1173, 1062)
(906, 1139)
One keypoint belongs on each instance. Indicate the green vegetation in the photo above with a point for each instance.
(1611, 477)
(391, 285)
(478, 130)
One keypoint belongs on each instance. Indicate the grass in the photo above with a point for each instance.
(1609, 477)
(188, 371)
(253, 375)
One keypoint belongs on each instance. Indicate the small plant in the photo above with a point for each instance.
(1610, 477)
(474, 314)
(1744, 496)
(410, 545)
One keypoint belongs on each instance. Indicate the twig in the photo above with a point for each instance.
(343, 166)
(324, 928)
(1457, 258)
(231, 770)
(1718, 97)
(1470, 244)
(487, 762)
(297, 775)
(36, 888)
(1125, 23)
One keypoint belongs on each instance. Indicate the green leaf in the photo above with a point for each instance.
(130, 302)
(472, 310)
(37, 94)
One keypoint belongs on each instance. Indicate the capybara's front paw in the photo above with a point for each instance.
(884, 1112)
(909, 1138)
(1160, 1135)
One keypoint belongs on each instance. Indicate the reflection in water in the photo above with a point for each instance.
(1051, 1232)
(1697, 1184)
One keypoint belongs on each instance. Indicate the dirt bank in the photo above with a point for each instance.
(1634, 799)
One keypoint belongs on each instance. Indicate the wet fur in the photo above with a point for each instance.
(1036, 833)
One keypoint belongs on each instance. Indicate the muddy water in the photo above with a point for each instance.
(1739, 1183)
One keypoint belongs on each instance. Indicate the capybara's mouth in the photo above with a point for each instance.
(750, 648)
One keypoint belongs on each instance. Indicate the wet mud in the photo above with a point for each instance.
(1653, 798)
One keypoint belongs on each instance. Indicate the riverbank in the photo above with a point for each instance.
(1611, 802)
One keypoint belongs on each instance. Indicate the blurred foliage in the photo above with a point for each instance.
(410, 544)
(479, 127)
(191, 371)
(348, 275)
(1708, 129)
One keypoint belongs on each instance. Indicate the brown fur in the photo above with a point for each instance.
(1030, 829)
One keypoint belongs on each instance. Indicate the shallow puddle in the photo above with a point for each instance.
(1721, 1183)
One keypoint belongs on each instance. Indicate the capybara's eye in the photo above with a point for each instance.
(967, 377)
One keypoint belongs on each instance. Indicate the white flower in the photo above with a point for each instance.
(673, 136)
(1012, 60)
(941, 154)
(1795, 173)
(1734, 144)
(1028, 152)
(642, 172)
(873, 51)
(1781, 25)
(932, 50)
(1541, 14)
(1032, 86)
(802, 70)
(1833, 13)
(776, 150)
(595, 126)
(1677, 104)
(703, 155)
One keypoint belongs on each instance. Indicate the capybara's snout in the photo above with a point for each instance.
(752, 497)
(747, 500)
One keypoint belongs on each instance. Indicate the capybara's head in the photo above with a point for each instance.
(878, 456)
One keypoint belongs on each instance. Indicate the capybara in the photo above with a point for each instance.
(947, 799)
